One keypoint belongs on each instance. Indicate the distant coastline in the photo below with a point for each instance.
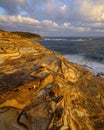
(29, 35)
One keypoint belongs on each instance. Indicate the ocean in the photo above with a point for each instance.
(88, 52)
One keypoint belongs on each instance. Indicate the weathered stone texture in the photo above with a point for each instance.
(41, 90)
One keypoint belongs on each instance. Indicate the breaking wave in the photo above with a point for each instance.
(94, 65)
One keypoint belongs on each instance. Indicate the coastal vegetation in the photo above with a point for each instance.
(29, 35)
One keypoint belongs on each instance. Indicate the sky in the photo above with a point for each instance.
(53, 17)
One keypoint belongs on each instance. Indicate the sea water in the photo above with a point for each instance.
(88, 52)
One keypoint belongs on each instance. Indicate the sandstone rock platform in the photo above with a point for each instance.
(41, 90)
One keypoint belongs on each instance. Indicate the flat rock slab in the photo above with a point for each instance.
(41, 90)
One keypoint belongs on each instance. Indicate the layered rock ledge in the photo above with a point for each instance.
(41, 90)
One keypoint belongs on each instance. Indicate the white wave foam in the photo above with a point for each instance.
(77, 40)
(55, 39)
(95, 67)
(67, 39)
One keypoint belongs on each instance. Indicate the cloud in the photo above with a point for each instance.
(49, 23)
(90, 10)
(19, 23)
(29, 24)
(2, 19)
(48, 16)
(70, 27)
(23, 23)
(94, 24)
(23, 20)
(56, 10)
(67, 25)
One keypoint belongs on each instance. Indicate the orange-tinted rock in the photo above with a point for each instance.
(41, 90)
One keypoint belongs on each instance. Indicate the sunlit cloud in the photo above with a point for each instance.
(24, 20)
(49, 23)
(2, 19)
(91, 10)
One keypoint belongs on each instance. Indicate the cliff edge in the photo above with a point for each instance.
(41, 90)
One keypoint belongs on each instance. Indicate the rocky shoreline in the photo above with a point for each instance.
(41, 90)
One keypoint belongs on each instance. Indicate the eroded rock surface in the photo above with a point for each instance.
(41, 90)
